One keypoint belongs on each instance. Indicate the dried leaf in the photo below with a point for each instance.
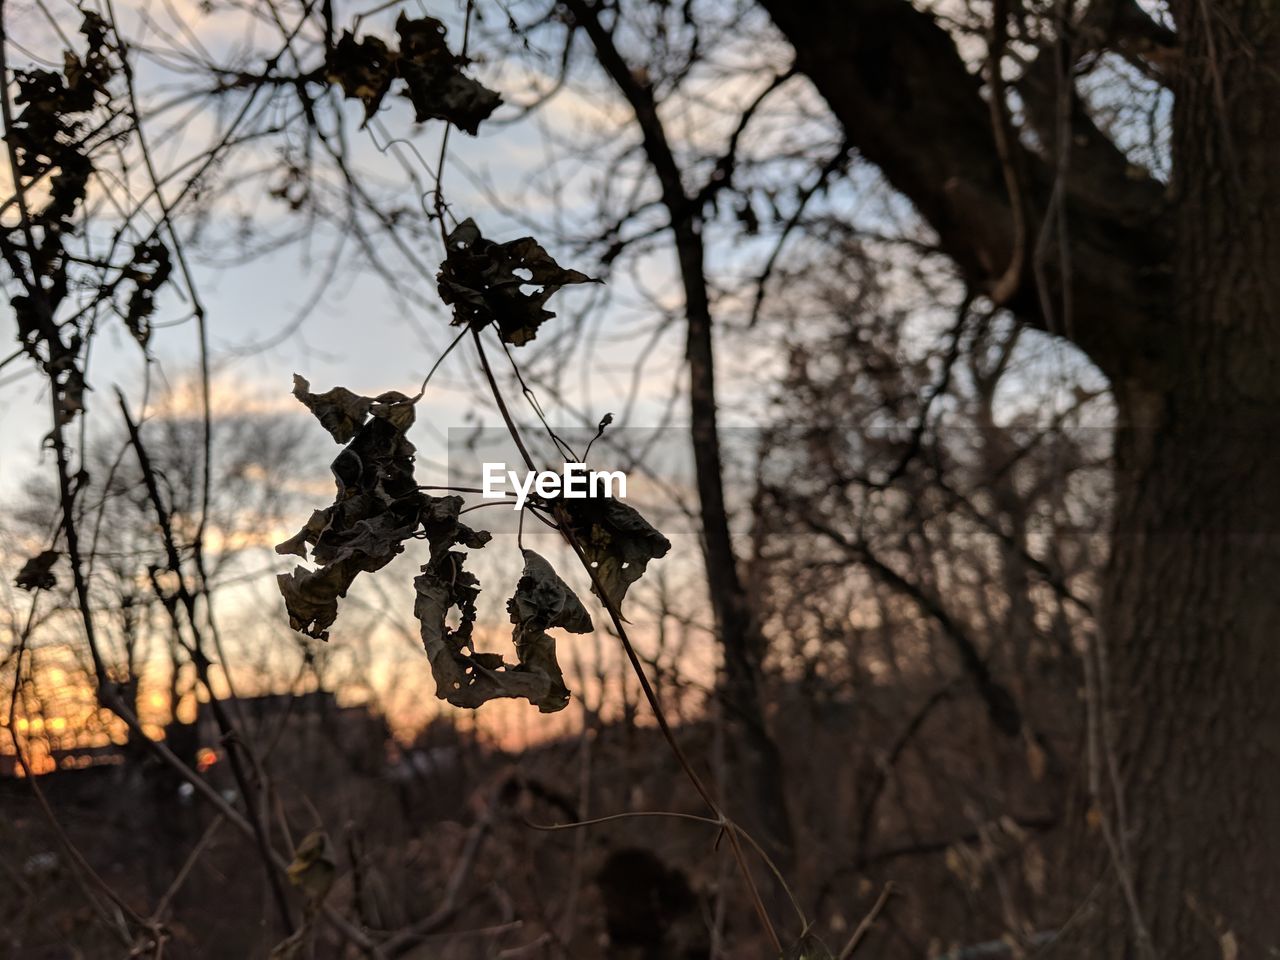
(484, 282)
(149, 269)
(376, 508)
(297, 544)
(536, 651)
(37, 573)
(541, 601)
(616, 540)
(339, 411)
(363, 68)
(437, 86)
(442, 586)
(313, 868)
(71, 395)
(311, 597)
(433, 75)
(467, 677)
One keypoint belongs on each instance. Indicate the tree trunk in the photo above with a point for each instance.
(1193, 592)
(757, 757)
(1177, 300)
(760, 798)
(1189, 649)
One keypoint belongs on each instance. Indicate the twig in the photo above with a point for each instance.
(865, 925)
(226, 728)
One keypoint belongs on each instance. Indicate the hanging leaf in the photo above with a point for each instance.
(616, 540)
(311, 597)
(339, 411)
(148, 271)
(467, 677)
(443, 586)
(363, 68)
(376, 508)
(433, 75)
(37, 573)
(541, 601)
(71, 388)
(437, 87)
(485, 282)
(310, 533)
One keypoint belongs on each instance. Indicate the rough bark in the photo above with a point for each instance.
(1192, 609)
(1177, 300)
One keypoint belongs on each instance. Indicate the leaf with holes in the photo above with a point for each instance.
(485, 283)
(467, 677)
(616, 540)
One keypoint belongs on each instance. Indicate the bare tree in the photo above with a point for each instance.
(1169, 290)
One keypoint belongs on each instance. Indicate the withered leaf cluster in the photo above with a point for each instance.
(48, 140)
(376, 508)
(378, 504)
(433, 75)
(148, 271)
(506, 284)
